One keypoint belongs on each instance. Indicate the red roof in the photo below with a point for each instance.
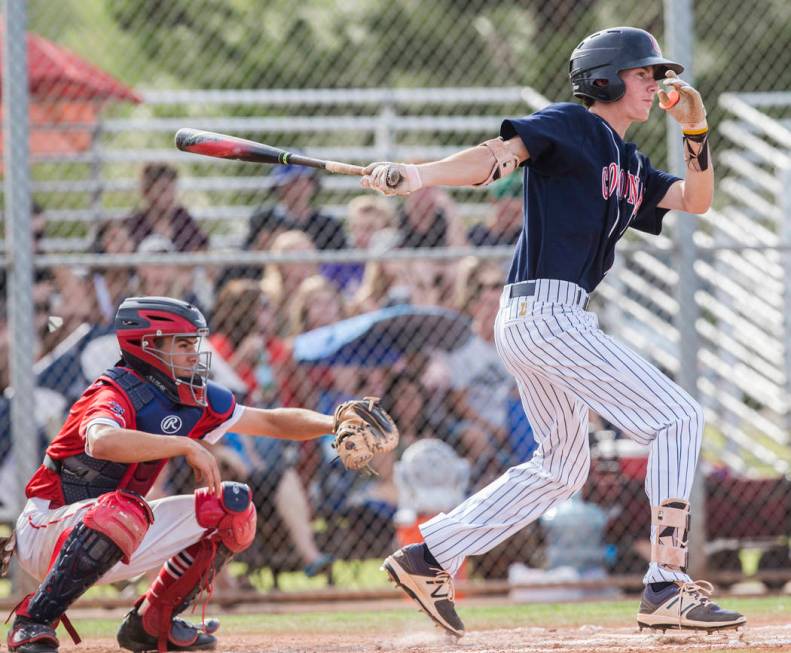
(56, 73)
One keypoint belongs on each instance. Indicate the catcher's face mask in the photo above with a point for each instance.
(187, 365)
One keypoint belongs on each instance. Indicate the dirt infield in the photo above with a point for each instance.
(494, 625)
(759, 637)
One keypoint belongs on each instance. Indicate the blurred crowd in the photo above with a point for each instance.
(448, 389)
(458, 392)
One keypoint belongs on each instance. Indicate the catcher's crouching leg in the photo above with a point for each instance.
(111, 530)
(230, 520)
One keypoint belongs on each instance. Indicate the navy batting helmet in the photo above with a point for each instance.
(595, 63)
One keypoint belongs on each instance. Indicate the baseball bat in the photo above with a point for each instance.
(223, 146)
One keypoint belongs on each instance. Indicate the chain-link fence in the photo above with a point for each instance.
(403, 293)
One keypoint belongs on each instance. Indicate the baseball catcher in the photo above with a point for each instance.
(86, 520)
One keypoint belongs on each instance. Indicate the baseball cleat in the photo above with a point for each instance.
(183, 636)
(431, 587)
(27, 636)
(687, 606)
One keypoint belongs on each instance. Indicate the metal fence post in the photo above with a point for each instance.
(679, 32)
(19, 239)
(784, 203)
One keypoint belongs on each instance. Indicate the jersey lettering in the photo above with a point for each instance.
(630, 186)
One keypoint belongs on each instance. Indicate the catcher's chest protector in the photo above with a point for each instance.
(85, 477)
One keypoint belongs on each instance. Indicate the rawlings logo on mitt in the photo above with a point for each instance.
(362, 430)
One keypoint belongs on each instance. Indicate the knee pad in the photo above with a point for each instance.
(122, 516)
(669, 546)
(232, 514)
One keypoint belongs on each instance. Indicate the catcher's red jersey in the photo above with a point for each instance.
(122, 398)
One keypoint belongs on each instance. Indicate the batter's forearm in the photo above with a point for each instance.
(699, 190)
(466, 168)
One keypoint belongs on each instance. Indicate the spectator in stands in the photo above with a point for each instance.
(243, 334)
(246, 337)
(7, 472)
(265, 225)
(46, 301)
(429, 218)
(473, 376)
(57, 291)
(383, 282)
(158, 280)
(295, 190)
(430, 283)
(8, 467)
(111, 285)
(315, 304)
(389, 283)
(405, 398)
(281, 281)
(504, 220)
(367, 215)
(162, 214)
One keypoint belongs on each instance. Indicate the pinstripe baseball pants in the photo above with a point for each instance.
(564, 365)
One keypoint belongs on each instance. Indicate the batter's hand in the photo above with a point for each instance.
(376, 176)
(205, 466)
(688, 110)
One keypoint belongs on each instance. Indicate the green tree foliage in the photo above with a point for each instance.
(370, 43)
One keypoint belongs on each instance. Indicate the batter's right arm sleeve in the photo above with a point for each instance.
(550, 136)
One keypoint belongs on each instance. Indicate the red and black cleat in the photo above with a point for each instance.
(28, 636)
(183, 636)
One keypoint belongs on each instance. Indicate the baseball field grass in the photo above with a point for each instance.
(492, 626)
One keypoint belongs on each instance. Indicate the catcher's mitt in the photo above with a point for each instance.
(362, 430)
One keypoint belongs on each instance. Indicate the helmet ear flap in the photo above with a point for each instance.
(613, 90)
(604, 85)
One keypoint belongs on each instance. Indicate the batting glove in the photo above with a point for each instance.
(682, 102)
(392, 178)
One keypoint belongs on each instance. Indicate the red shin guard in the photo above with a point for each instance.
(230, 521)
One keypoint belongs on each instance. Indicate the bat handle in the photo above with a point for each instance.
(343, 168)
(393, 174)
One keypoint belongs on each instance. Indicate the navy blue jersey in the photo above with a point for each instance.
(584, 186)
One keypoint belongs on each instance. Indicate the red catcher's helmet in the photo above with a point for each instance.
(140, 322)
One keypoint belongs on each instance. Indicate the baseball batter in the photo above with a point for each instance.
(86, 520)
(584, 187)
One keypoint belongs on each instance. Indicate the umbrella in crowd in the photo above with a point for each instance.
(382, 337)
(66, 96)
